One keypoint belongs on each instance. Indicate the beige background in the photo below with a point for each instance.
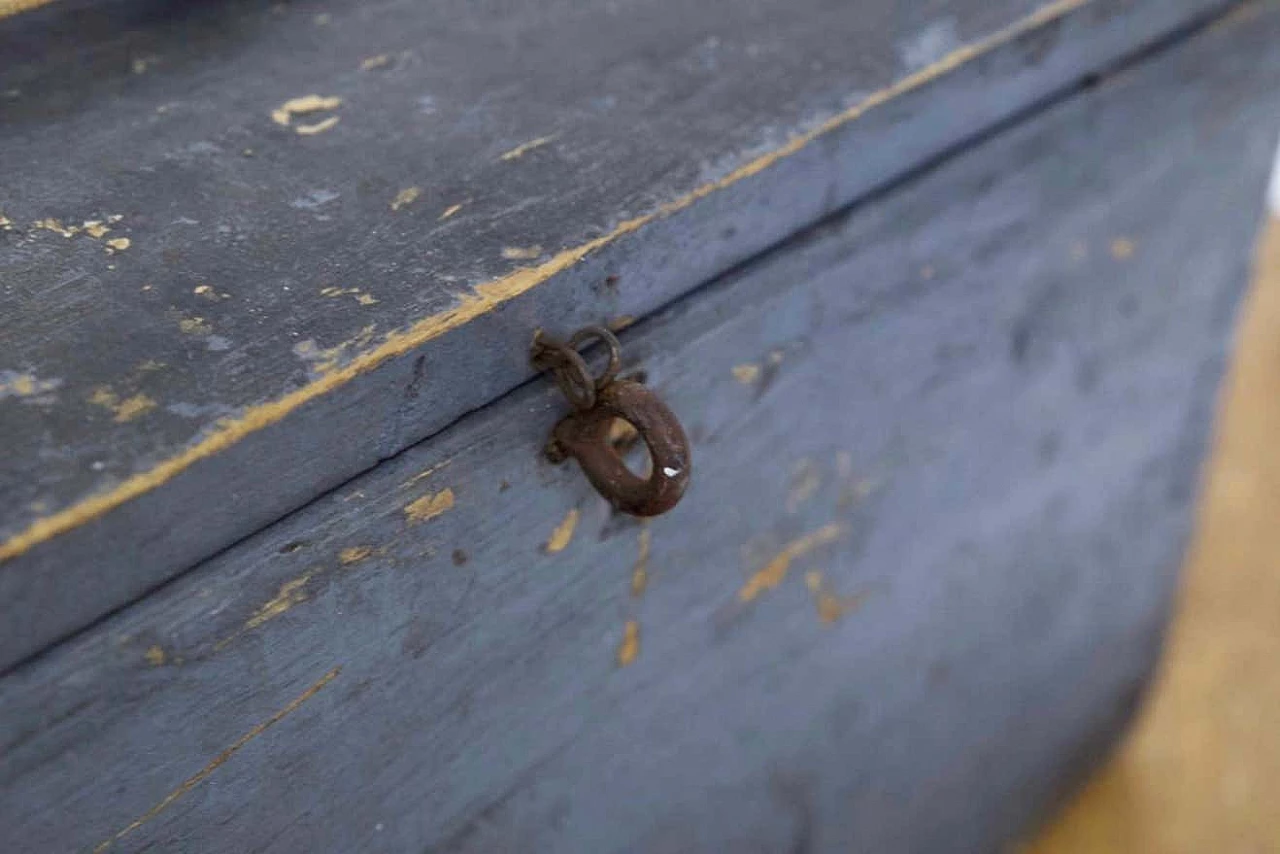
(1200, 772)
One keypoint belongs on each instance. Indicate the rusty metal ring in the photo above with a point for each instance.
(610, 341)
(584, 436)
(568, 367)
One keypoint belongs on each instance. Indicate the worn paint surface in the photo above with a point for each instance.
(775, 571)
(430, 505)
(563, 534)
(683, 202)
(1033, 423)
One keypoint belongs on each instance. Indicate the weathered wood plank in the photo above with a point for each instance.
(945, 451)
(287, 311)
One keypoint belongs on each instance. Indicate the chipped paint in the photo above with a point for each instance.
(630, 646)
(155, 656)
(830, 607)
(56, 227)
(194, 326)
(354, 554)
(804, 483)
(451, 210)
(203, 774)
(290, 593)
(284, 114)
(327, 359)
(426, 473)
(429, 506)
(521, 253)
(775, 571)
(96, 229)
(746, 374)
(21, 384)
(1122, 248)
(356, 293)
(373, 62)
(407, 196)
(524, 148)
(118, 244)
(640, 573)
(318, 127)
(563, 533)
(488, 296)
(124, 409)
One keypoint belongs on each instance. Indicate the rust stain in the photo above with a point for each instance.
(355, 554)
(201, 775)
(524, 148)
(407, 196)
(563, 533)
(291, 593)
(430, 506)
(640, 573)
(155, 656)
(521, 253)
(1122, 248)
(775, 571)
(488, 296)
(630, 646)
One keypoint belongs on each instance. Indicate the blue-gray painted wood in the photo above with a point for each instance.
(996, 383)
(161, 113)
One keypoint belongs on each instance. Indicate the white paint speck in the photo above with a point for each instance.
(313, 200)
(669, 471)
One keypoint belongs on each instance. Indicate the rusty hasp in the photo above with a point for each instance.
(598, 401)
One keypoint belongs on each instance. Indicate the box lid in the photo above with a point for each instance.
(250, 250)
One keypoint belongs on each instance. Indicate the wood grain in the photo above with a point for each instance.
(1201, 770)
(916, 587)
(220, 302)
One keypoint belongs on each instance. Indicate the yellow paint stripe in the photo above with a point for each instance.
(488, 296)
(13, 7)
(200, 776)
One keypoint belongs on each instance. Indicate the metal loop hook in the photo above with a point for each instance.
(569, 368)
(585, 434)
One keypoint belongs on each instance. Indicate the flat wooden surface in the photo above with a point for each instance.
(945, 453)
(1201, 770)
(253, 248)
